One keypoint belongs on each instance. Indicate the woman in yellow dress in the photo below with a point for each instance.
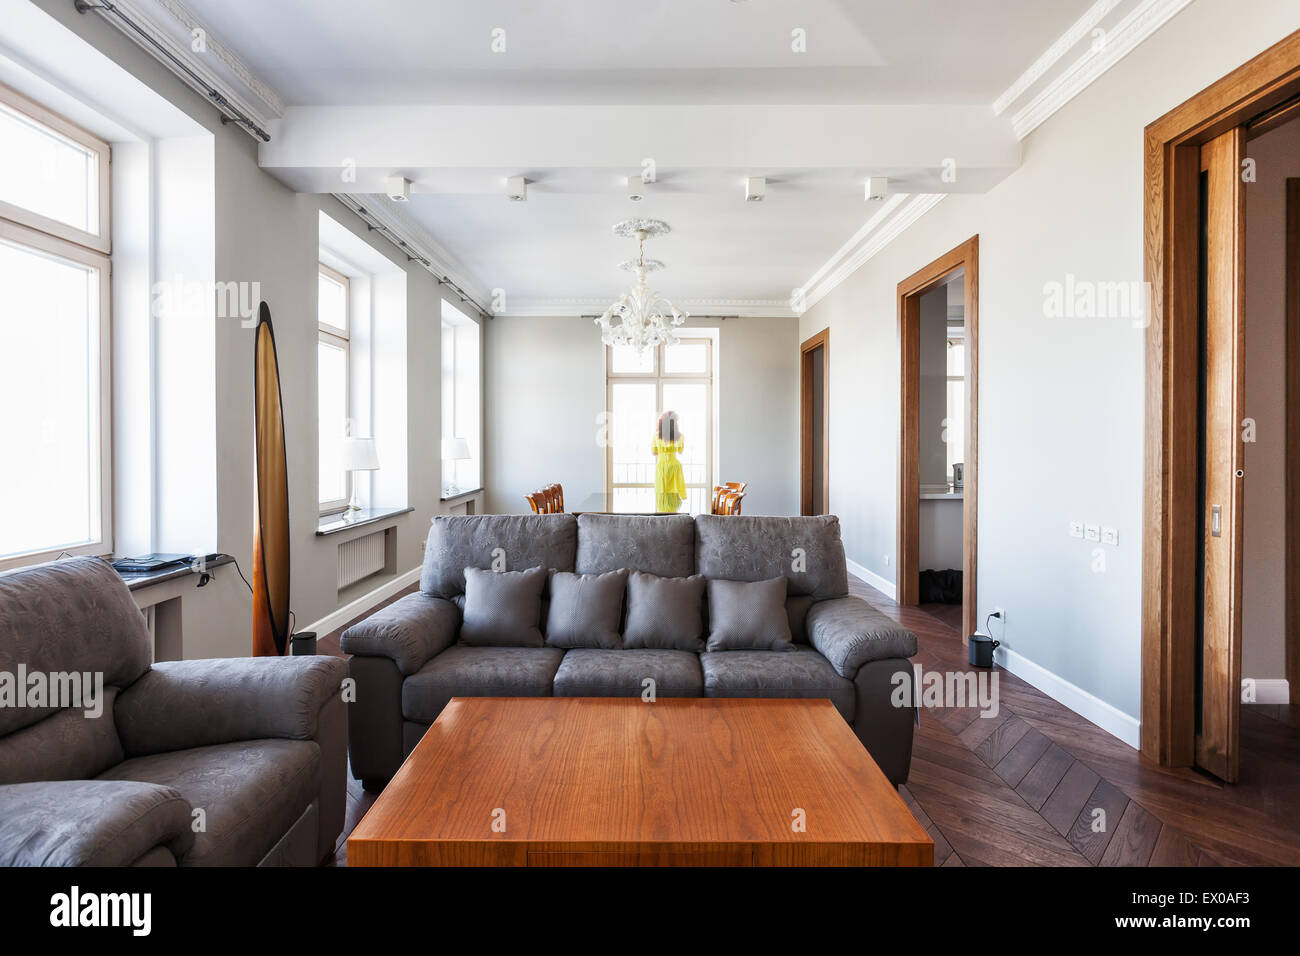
(670, 481)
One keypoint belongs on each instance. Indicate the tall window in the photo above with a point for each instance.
(54, 335)
(461, 400)
(639, 388)
(332, 360)
(955, 423)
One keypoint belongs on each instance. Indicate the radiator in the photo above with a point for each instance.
(360, 558)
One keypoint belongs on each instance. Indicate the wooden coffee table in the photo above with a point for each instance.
(554, 781)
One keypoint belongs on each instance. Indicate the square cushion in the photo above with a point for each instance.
(503, 608)
(250, 793)
(622, 673)
(801, 674)
(748, 616)
(457, 542)
(478, 672)
(806, 550)
(586, 609)
(665, 613)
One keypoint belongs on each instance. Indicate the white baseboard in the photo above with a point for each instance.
(1109, 718)
(1272, 690)
(336, 619)
(875, 580)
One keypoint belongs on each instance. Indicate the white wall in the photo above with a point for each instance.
(1263, 624)
(1061, 400)
(266, 233)
(545, 391)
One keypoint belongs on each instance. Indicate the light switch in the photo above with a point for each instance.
(1109, 536)
(1092, 532)
(1076, 529)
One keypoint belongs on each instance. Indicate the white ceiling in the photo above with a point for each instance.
(585, 88)
(637, 51)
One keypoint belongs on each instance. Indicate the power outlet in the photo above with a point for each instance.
(1110, 536)
(1092, 532)
(1076, 529)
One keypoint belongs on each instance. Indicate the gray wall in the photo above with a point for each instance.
(1263, 619)
(545, 392)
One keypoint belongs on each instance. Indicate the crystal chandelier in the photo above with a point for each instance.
(644, 318)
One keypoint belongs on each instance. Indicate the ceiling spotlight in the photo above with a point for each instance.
(635, 188)
(755, 189)
(398, 188)
(877, 186)
(517, 189)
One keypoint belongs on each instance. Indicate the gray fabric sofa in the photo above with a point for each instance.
(236, 761)
(407, 663)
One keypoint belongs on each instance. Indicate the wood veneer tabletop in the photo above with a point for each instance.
(601, 781)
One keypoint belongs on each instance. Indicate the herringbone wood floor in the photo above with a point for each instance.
(1021, 788)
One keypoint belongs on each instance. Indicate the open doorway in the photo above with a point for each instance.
(814, 425)
(938, 314)
(1220, 519)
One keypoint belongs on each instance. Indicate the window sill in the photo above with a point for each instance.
(333, 524)
(462, 494)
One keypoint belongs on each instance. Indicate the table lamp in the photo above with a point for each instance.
(358, 454)
(453, 449)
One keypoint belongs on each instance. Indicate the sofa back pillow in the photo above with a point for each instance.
(806, 551)
(656, 544)
(665, 613)
(496, 542)
(748, 616)
(503, 608)
(586, 609)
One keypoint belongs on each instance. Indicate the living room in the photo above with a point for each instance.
(898, 350)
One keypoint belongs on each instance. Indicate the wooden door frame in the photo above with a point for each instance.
(964, 257)
(822, 340)
(1170, 509)
(1292, 567)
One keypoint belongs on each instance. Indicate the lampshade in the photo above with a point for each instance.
(455, 449)
(358, 454)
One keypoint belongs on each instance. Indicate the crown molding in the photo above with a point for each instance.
(594, 305)
(879, 231)
(1063, 45)
(1145, 19)
(416, 242)
(169, 24)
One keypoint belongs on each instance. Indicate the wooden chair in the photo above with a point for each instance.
(731, 502)
(722, 491)
(547, 501)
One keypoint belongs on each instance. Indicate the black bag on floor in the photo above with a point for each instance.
(940, 587)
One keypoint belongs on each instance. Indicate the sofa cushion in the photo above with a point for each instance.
(796, 612)
(67, 745)
(656, 544)
(503, 608)
(73, 616)
(586, 609)
(665, 613)
(505, 542)
(250, 793)
(803, 673)
(748, 615)
(478, 672)
(806, 550)
(90, 823)
(621, 673)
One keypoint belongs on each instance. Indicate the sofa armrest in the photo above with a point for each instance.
(182, 704)
(849, 632)
(90, 822)
(408, 632)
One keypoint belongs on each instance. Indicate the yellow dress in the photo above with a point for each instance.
(670, 481)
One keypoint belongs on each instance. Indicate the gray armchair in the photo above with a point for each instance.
(227, 762)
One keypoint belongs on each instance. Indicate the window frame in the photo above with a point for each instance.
(30, 230)
(329, 335)
(658, 377)
(100, 241)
